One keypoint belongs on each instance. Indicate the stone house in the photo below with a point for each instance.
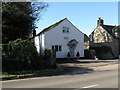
(105, 40)
(86, 42)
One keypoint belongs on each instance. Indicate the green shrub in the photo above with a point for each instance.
(78, 54)
(18, 55)
(50, 56)
(68, 54)
(21, 55)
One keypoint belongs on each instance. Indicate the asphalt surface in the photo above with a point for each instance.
(96, 77)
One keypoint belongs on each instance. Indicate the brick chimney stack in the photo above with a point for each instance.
(34, 33)
(100, 21)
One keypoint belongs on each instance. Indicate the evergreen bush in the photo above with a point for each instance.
(18, 55)
(78, 54)
(21, 55)
(68, 54)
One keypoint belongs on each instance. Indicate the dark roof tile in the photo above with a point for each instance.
(109, 29)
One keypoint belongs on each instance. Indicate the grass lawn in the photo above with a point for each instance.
(29, 74)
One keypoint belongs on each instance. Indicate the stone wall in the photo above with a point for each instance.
(115, 48)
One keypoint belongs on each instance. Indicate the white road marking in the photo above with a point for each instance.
(91, 86)
(87, 87)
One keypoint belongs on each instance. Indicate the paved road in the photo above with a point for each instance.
(101, 77)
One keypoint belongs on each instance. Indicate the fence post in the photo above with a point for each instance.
(53, 56)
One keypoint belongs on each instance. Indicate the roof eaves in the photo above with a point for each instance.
(51, 26)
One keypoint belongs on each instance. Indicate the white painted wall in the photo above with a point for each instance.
(55, 36)
(37, 41)
(42, 43)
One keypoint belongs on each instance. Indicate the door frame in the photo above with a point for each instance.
(72, 50)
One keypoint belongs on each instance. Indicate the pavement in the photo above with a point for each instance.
(85, 75)
(90, 63)
(87, 66)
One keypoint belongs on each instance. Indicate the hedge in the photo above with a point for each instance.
(20, 55)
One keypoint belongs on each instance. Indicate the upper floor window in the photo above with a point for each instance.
(65, 30)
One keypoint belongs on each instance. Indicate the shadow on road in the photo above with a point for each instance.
(79, 70)
(72, 67)
(72, 70)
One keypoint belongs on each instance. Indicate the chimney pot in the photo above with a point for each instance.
(100, 21)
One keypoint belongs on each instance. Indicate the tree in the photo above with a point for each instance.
(18, 19)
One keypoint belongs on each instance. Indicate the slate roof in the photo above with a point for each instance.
(51, 26)
(86, 38)
(73, 41)
(109, 29)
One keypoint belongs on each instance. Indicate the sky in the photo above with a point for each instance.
(83, 15)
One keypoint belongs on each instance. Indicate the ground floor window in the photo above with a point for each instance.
(57, 47)
(60, 48)
(52, 47)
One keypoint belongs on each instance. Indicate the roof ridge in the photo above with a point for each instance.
(51, 26)
(109, 25)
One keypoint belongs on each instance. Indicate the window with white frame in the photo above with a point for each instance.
(65, 30)
(57, 47)
(52, 47)
(60, 48)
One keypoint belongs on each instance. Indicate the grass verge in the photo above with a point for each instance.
(33, 73)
